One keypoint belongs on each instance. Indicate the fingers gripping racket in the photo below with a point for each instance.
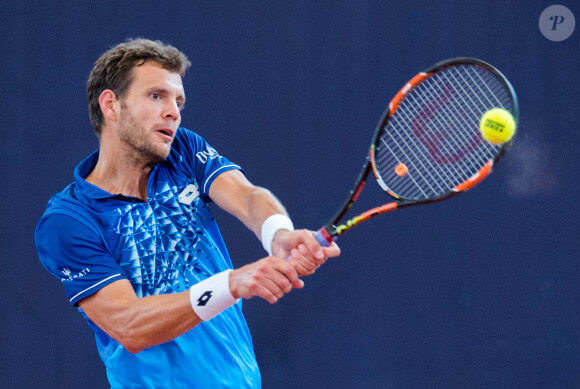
(427, 146)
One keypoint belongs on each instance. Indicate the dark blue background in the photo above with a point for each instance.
(480, 291)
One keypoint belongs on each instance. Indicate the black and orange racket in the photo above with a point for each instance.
(427, 146)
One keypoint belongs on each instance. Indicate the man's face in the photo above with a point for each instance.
(150, 113)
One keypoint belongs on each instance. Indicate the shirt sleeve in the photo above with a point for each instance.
(74, 252)
(204, 161)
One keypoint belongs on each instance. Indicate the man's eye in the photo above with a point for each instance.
(155, 96)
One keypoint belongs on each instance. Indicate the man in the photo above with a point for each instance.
(137, 249)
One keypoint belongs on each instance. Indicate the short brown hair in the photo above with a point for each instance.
(113, 70)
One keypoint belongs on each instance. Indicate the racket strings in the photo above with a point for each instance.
(419, 165)
(435, 132)
(431, 177)
(448, 144)
(461, 137)
(414, 162)
(421, 177)
(486, 97)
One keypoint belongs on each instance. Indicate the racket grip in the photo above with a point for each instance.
(320, 237)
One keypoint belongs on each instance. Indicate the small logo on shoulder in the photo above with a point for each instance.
(188, 194)
(207, 154)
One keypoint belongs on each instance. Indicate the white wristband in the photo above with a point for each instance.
(271, 225)
(212, 296)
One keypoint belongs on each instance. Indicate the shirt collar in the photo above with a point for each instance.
(82, 171)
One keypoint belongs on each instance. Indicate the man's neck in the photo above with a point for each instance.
(117, 172)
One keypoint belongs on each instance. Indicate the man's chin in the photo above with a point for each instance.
(164, 152)
(160, 157)
(153, 157)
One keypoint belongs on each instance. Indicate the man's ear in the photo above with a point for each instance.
(109, 105)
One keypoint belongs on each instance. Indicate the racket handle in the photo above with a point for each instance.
(321, 237)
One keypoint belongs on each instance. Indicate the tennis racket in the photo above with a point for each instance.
(427, 146)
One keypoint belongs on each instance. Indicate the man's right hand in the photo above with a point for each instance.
(269, 278)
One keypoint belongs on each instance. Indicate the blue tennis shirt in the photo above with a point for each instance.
(89, 238)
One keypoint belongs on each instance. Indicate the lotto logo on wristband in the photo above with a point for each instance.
(211, 296)
(203, 299)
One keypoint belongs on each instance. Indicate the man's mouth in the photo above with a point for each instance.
(166, 133)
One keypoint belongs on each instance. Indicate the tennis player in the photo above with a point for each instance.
(135, 245)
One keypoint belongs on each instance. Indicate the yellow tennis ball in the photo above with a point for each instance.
(497, 125)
